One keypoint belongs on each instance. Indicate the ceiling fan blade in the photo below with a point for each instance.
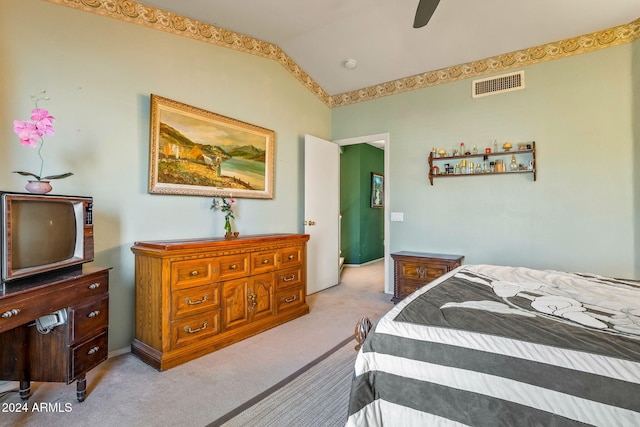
(424, 12)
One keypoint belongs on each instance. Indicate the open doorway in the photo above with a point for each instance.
(381, 141)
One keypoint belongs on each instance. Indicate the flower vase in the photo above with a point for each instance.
(38, 187)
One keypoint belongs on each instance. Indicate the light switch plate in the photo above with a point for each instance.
(397, 216)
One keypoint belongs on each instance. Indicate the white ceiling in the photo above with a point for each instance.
(319, 35)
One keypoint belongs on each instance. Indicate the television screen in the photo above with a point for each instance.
(41, 233)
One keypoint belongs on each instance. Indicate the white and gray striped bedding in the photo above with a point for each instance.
(504, 346)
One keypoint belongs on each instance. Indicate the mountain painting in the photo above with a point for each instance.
(202, 153)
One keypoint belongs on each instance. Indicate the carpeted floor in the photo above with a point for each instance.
(317, 395)
(123, 391)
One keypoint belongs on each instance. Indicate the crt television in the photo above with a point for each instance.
(42, 233)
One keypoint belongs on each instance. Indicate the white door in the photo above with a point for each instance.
(322, 212)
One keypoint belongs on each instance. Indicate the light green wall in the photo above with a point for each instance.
(99, 73)
(579, 215)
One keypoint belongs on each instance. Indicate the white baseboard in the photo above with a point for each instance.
(363, 264)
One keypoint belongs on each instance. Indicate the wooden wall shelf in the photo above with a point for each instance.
(439, 162)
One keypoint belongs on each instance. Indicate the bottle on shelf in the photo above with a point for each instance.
(514, 165)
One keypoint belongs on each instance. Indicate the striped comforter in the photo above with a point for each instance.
(502, 346)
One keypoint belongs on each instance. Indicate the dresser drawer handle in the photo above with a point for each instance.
(288, 279)
(233, 267)
(292, 299)
(265, 261)
(10, 313)
(291, 257)
(188, 329)
(196, 302)
(422, 272)
(93, 350)
(94, 286)
(94, 313)
(194, 273)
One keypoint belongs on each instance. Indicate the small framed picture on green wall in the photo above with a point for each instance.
(377, 190)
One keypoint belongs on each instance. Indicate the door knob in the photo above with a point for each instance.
(311, 223)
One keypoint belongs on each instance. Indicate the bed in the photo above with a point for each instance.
(504, 346)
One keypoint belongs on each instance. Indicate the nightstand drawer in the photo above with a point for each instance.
(422, 270)
(190, 301)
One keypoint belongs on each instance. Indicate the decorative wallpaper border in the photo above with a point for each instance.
(521, 58)
(141, 14)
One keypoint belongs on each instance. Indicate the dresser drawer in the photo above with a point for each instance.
(289, 298)
(288, 278)
(290, 257)
(234, 266)
(194, 328)
(89, 318)
(263, 262)
(88, 355)
(190, 301)
(185, 274)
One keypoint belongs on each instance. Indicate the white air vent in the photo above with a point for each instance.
(498, 84)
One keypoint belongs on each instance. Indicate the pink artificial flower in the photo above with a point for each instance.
(43, 121)
(27, 133)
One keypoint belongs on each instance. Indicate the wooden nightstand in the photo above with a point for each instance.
(413, 270)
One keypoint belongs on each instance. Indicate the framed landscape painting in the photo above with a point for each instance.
(199, 153)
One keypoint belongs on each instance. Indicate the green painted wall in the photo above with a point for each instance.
(579, 215)
(362, 230)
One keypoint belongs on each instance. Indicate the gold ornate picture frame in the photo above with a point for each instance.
(199, 153)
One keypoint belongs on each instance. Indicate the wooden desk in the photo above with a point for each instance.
(67, 352)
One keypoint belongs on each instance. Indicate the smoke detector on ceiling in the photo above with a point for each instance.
(350, 64)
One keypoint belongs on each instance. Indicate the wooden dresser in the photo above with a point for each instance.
(67, 352)
(413, 270)
(197, 296)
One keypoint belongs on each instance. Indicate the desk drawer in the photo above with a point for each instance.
(88, 318)
(96, 285)
(18, 310)
(88, 355)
